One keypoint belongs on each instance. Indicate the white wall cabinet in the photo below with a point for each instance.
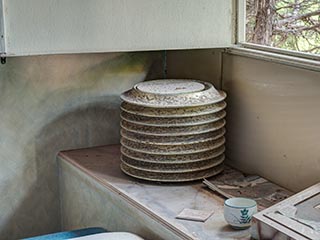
(32, 27)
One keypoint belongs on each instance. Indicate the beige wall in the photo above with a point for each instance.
(53, 103)
(273, 120)
(273, 113)
(203, 65)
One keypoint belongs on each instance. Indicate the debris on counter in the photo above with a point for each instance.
(233, 183)
(296, 217)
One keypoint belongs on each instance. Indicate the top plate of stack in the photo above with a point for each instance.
(172, 130)
(173, 93)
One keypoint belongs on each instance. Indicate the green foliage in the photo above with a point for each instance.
(295, 24)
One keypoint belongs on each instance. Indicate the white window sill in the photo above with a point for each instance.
(290, 58)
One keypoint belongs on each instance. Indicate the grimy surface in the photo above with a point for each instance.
(49, 104)
(158, 202)
(273, 120)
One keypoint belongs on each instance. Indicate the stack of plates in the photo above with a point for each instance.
(172, 130)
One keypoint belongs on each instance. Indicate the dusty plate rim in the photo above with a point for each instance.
(220, 160)
(220, 143)
(224, 114)
(214, 110)
(177, 143)
(223, 149)
(137, 97)
(223, 96)
(175, 180)
(177, 134)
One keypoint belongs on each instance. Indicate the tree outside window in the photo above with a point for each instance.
(287, 24)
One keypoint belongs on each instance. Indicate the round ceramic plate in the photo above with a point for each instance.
(173, 112)
(171, 177)
(172, 159)
(173, 168)
(172, 122)
(172, 149)
(173, 93)
(172, 131)
(176, 140)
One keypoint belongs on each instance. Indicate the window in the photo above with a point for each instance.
(286, 24)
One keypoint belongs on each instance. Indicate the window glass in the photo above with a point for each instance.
(287, 24)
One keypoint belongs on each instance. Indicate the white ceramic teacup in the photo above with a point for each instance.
(238, 212)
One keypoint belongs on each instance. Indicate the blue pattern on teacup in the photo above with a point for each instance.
(244, 218)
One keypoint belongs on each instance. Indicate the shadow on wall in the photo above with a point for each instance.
(273, 121)
(75, 129)
(46, 111)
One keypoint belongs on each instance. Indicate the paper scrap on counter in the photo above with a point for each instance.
(195, 215)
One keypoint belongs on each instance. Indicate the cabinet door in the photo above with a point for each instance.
(33, 27)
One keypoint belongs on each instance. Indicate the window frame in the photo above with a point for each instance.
(296, 58)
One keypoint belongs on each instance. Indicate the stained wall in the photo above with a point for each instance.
(203, 64)
(49, 104)
(59, 102)
(273, 120)
(272, 115)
